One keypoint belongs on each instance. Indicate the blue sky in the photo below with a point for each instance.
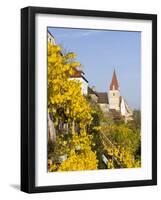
(102, 51)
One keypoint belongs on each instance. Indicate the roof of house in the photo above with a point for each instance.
(128, 110)
(102, 97)
(78, 74)
(51, 35)
(114, 83)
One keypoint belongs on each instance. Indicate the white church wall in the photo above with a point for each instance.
(123, 108)
(114, 99)
(126, 111)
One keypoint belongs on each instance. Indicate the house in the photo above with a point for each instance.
(80, 76)
(50, 38)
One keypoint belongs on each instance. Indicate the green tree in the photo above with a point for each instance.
(121, 144)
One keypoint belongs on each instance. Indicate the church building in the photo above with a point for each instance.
(112, 101)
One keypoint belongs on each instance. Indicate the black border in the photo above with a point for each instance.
(28, 98)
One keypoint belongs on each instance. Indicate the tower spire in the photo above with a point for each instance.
(114, 83)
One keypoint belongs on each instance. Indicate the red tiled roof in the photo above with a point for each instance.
(114, 83)
(78, 74)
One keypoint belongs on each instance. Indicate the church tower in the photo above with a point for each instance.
(114, 94)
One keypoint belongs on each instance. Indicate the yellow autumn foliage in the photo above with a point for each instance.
(122, 157)
(63, 92)
(66, 103)
(81, 156)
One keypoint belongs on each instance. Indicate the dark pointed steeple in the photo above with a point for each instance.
(114, 83)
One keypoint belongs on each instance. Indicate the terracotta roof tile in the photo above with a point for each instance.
(114, 83)
(78, 74)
